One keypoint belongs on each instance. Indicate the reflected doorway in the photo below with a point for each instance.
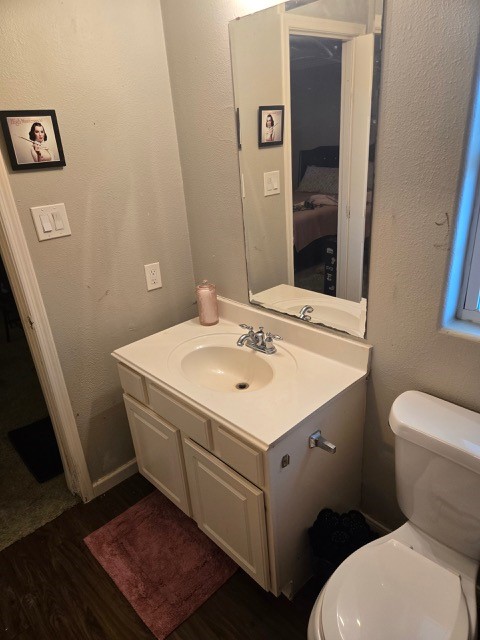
(315, 95)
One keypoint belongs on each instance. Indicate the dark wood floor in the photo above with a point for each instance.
(51, 588)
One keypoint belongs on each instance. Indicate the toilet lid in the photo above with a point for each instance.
(390, 591)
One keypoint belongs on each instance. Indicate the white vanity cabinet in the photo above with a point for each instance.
(255, 502)
(226, 506)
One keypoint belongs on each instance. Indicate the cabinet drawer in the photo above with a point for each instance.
(239, 455)
(133, 383)
(190, 423)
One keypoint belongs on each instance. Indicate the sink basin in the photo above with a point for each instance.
(334, 312)
(226, 369)
(328, 312)
(216, 362)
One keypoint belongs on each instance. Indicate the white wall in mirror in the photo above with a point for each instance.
(318, 244)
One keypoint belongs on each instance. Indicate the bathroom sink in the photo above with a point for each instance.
(204, 367)
(328, 312)
(216, 362)
(333, 312)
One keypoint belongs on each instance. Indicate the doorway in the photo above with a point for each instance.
(29, 301)
(25, 503)
(329, 179)
(315, 104)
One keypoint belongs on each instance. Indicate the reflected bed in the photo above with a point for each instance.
(315, 201)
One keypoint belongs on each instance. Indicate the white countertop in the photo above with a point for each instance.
(267, 414)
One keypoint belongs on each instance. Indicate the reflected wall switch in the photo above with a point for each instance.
(271, 183)
(51, 221)
(152, 275)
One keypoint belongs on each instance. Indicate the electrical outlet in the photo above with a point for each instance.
(152, 275)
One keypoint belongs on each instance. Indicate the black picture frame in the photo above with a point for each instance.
(274, 137)
(18, 129)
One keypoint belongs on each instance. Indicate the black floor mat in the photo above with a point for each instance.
(37, 446)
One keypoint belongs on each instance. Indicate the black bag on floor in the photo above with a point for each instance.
(335, 536)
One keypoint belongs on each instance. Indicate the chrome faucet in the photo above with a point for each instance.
(303, 313)
(247, 338)
(258, 340)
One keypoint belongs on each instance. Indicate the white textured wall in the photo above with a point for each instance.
(428, 60)
(258, 80)
(428, 65)
(101, 64)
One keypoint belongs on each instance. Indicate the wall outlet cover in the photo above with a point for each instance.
(152, 276)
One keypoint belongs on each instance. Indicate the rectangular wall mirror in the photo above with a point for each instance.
(306, 84)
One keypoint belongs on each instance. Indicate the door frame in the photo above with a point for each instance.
(345, 31)
(358, 60)
(25, 288)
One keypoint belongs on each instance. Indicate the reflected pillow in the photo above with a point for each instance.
(320, 180)
(323, 199)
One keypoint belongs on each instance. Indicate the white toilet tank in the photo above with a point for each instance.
(437, 462)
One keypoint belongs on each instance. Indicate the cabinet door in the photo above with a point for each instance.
(158, 449)
(229, 509)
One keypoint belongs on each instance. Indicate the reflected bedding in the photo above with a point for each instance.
(316, 216)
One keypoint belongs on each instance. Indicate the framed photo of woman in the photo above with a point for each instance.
(270, 126)
(33, 139)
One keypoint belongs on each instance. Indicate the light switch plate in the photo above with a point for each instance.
(56, 215)
(271, 183)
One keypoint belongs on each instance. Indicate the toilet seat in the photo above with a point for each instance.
(388, 590)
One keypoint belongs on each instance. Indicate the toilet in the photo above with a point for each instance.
(418, 582)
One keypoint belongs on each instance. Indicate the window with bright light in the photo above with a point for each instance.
(469, 307)
(461, 313)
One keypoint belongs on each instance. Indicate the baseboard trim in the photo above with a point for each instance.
(110, 480)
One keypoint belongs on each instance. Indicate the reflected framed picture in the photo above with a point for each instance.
(33, 139)
(270, 125)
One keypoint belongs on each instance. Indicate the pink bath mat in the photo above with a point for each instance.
(161, 562)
